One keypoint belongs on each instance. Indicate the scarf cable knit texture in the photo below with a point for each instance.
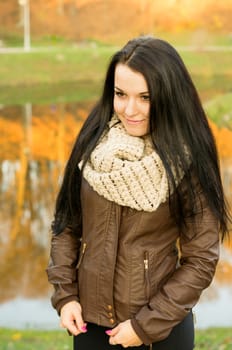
(126, 169)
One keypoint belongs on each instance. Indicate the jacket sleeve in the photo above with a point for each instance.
(199, 249)
(61, 269)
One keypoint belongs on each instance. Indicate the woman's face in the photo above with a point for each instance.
(131, 100)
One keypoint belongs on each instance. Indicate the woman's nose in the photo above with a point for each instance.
(130, 108)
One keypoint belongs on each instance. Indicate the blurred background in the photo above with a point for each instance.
(53, 56)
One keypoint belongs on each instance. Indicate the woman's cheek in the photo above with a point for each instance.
(118, 106)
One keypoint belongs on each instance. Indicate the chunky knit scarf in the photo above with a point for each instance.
(125, 169)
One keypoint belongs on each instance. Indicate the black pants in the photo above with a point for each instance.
(180, 338)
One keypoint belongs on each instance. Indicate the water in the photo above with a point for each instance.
(35, 143)
(216, 312)
(21, 313)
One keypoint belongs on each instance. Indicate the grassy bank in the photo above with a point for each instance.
(220, 111)
(54, 75)
(53, 65)
(211, 339)
(72, 73)
(88, 63)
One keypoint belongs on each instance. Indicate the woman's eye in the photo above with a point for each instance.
(145, 97)
(119, 93)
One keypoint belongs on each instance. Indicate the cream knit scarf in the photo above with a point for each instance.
(125, 169)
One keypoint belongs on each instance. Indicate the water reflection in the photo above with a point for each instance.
(35, 142)
(216, 312)
(34, 147)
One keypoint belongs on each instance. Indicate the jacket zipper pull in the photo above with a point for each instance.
(81, 254)
(84, 247)
(146, 271)
(145, 261)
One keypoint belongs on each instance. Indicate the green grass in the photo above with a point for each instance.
(182, 37)
(60, 74)
(196, 37)
(34, 340)
(89, 62)
(209, 339)
(57, 92)
(220, 110)
(55, 65)
(214, 339)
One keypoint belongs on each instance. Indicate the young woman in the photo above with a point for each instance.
(139, 214)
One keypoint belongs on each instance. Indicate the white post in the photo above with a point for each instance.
(27, 39)
(26, 23)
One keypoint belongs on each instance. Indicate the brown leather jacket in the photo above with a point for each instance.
(127, 265)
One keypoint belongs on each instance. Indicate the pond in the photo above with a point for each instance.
(35, 143)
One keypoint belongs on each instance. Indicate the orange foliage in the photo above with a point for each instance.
(11, 137)
(48, 137)
(224, 272)
(52, 135)
(76, 19)
(223, 137)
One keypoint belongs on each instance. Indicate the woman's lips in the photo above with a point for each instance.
(132, 121)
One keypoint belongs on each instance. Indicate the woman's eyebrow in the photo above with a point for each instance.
(118, 88)
(140, 93)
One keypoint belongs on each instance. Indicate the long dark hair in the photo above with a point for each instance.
(178, 126)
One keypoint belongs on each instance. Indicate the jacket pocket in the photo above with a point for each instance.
(82, 252)
(147, 275)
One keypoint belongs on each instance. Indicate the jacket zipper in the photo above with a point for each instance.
(147, 279)
(81, 255)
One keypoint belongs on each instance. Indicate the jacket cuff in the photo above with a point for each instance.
(140, 332)
(64, 301)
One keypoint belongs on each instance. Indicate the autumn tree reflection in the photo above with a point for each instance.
(34, 145)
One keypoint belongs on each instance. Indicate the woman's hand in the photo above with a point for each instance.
(124, 335)
(71, 318)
